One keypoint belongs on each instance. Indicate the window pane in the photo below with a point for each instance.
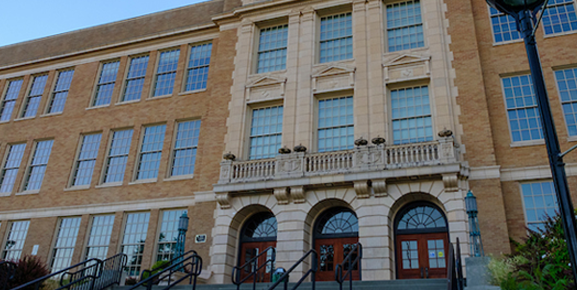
(522, 108)
(117, 156)
(106, 82)
(86, 159)
(184, 154)
(150, 152)
(539, 201)
(60, 93)
(404, 26)
(335, 125)
(166, 72)
(99, 238)
(559, 17)
(15, 240)
(504, 26)
(411, 115)
(198, 63)
(168, 234)
(567, 84)
(11, 166)
(336, 39)
(135, 78)
(272, 48)
(265, 132)
(33, 100)
(65, 242)
(38, 165)
(9, 100)
(133, 241)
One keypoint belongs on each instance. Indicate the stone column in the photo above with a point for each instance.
(292, 66)
(360, 54)
(306, 58)
(291, 244)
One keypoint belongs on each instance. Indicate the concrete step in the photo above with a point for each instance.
(419, 284)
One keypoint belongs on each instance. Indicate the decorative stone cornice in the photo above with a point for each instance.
(281, 195)
(362, 189)
(298, 194)
(380, 187)
(223, 199)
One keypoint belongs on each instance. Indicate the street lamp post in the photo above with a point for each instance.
(474, 230)
(523, 12)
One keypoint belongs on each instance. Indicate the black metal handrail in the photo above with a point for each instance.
(7, 271)
(236, 271)
(193, 260)
(455, 280)
(314, 268)
(170, 262)
(350, 262)
(459, 265)
(89, 277)
(111, 271)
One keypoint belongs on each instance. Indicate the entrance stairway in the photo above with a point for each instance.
(424, 284)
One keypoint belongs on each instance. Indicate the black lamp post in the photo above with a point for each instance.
(524, 12)
(474, 231)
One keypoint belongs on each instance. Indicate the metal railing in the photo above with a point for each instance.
(455, 280)
(253, 263)
(314, 268)
(111, 271)
(190, 266)
(147, 273)
(7, 270)
(76, 281)
(349, 262)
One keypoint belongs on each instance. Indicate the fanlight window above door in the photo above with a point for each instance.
(422, 217)
(261, 226)
(338, 221)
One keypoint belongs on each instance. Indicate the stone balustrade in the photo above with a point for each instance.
(357, 160)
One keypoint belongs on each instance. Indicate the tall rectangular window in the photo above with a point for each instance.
(15, 240)
(184, 153)
(404, 25)
(336, 41)
(60, 93)
(336, 124)
(559, 16)
(265, 132)
(34, 95)
(504, 26)
(105, 85)
(11, 166)
(150, 152)
(99, 238)
(522, 108)
(197, 71)
(84, 166)
(117, 156)
(168, 234)
(135, 78)
(539, 201)
(37, 167)
(166, 72)
(567, 84)
(65, 242)
(411, 115)
(272, 48)
(9, 100)
(134, 239)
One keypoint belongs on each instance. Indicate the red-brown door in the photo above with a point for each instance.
(422, 256)
(251, 250)
(331, 253)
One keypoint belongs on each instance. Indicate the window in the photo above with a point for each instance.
(9, 101)
(404, 25)
(166, 72)
(60, 93)
(197, 72)
(272, 48)
(336, 41)
(504, 26)
(559, 16)
(184, 153)
(15, 240)
(150, 152)
(105, 85)
(65, 242)
(336, 130)
(33, 100)
(135, 78)
(411, 115)
(84, 167)
(168, 234)
(134, 240)
(539, 201)
(117, 156)
(265, 132)
(99, 238)
(37, 168)
(522, 109)
(11, 166)
(567, 84)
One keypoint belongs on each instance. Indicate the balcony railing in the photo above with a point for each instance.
(360, 159)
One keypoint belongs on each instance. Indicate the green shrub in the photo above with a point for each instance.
(28, 268)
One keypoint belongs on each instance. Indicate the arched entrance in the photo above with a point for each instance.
(335, 233)
(257, 234)
(422, 241)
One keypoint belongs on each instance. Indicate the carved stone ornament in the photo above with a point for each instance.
(223, 200)
(281, 195)
(300, 148)
(361, 142)
(290, 165)
(378, 140)
(284, 150)
(362, 189)
(451, 182)
(368, 157)
(380, 188)
(298, 194)
(445, 133)
(229, 156)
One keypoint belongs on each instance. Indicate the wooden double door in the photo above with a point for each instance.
(250, 250)
(331, 253)
(422, 256)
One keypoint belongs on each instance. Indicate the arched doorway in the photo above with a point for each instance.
(335, 233)
(422, 239)
(257, 234)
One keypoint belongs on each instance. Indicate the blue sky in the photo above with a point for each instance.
(22, 20)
